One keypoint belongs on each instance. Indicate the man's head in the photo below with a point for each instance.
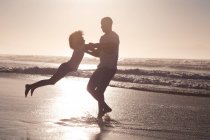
(106, 24)
(76, 39)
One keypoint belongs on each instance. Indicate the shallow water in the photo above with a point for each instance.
(67, 111)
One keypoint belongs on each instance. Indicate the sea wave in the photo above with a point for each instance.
(128, 73)
(178, 64)
(153, 78)
(134, 77)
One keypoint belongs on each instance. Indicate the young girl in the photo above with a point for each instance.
(77, 43)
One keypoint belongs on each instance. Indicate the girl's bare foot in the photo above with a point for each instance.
(32, 91)
(27, 88)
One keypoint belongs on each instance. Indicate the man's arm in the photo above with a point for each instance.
(92, 49)
(106, 47)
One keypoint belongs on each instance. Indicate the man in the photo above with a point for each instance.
(107, 50)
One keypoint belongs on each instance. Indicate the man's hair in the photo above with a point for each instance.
(74, 37)
(107, 20)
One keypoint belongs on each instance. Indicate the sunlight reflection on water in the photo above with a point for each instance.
(77, 133)
(87, 66)
(71, 112)
(74, 100)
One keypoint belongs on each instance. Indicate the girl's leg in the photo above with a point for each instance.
(60, 73)
(33, 86)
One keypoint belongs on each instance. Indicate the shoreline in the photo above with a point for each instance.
(127, 85)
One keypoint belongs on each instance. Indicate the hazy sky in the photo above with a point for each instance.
(147, 28)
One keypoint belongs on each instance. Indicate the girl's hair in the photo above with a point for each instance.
(74, 37)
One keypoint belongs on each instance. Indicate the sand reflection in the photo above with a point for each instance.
(95, 130)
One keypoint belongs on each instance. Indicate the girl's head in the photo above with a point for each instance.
(76, 39)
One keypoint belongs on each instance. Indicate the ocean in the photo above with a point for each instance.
(172, 76)
(139, 109)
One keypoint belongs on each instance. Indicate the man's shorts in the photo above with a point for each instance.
(100, 78)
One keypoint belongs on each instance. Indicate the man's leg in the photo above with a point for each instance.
(97, 85)
(106, 76)
(93, 82)
(93, 89)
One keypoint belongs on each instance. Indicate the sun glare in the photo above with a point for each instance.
(74, 100)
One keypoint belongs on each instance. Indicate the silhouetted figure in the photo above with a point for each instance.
(76, 43)
(107, 51)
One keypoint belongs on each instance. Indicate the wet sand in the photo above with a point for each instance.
(66, 111)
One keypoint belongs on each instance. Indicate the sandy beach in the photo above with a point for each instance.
(66, 111)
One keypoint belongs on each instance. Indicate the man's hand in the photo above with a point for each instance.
(91, 47)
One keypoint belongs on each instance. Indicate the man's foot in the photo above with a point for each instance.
(100, 115)
(107, 109)
(27, 88)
